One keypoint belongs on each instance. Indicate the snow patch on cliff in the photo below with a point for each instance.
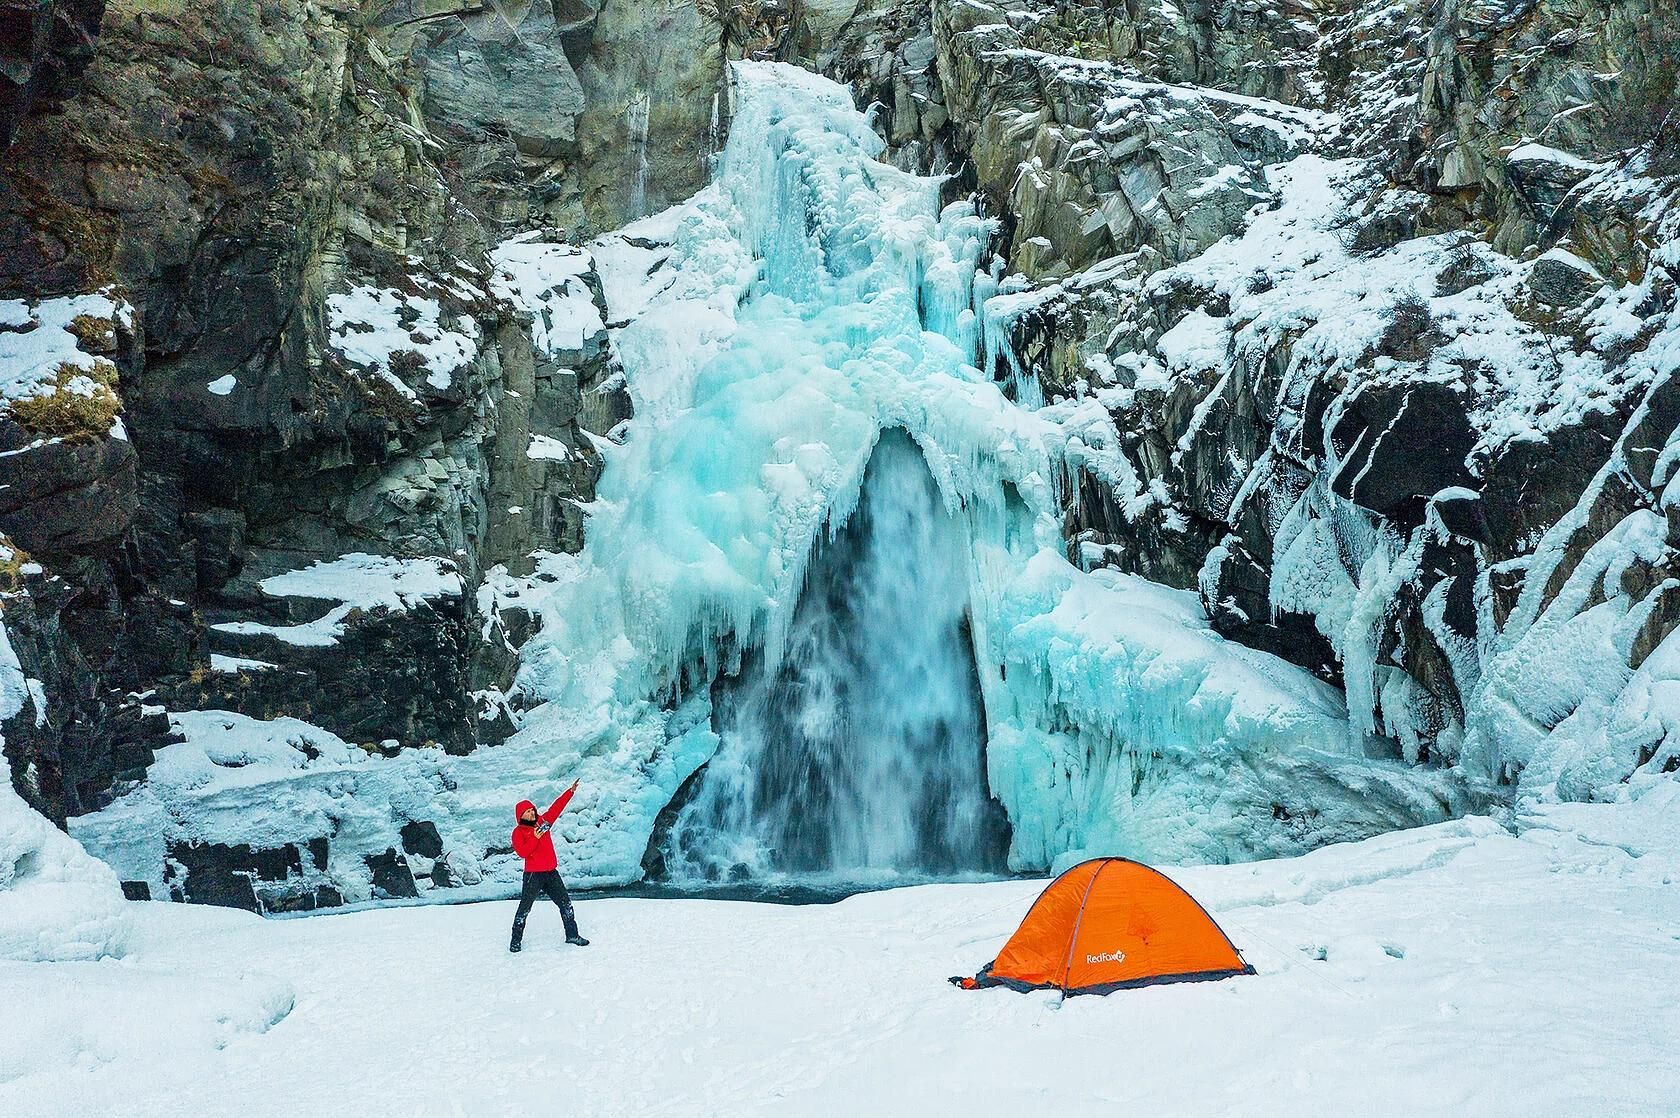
(357, 582)
(39, 338)
(549, 281)
(382, 328)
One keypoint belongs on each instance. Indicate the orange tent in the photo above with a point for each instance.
(1111, 924)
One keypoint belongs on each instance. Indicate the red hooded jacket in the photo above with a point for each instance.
(535, 844)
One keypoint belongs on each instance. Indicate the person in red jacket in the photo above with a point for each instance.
(533, 842)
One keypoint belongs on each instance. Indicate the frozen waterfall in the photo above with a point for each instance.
(862, 754)
(825, 570)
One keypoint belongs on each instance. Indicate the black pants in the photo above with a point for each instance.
(548, 881)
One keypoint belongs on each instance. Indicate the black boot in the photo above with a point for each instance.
(513, 947)
(576, 940)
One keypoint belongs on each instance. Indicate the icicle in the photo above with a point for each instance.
(640, 111)
(714, 136)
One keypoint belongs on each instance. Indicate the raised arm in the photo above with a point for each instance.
(559, 805)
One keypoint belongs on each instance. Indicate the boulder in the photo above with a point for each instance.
(1559, 278)
(391, 875)
(422, 838)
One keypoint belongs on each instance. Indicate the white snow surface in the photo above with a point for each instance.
(368, 581)
(36, 339)
(1449, 970)
(547, 279)
(232, 664)
(547, 448)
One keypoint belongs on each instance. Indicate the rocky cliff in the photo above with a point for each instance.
(1382, 300)
(251, 322)
(1378, 300)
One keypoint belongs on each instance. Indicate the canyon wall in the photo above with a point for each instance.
(1377, 300)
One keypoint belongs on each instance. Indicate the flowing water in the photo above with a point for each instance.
(860, 756)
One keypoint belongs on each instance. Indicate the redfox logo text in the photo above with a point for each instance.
(1107, 957)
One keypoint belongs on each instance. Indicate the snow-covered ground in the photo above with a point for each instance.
(1457, 969)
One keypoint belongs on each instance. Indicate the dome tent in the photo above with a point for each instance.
(1111, 924)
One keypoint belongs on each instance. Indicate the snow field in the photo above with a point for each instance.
(1450, 970)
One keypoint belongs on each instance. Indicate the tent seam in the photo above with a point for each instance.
(1073, 939)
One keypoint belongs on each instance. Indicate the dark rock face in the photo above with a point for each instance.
(1562, 281)
(400, 677)
(66, 497)
(287, 878)
(578, 114)
(232, 172)
(1403, 444)
(45, 45)
(70, 485)
(215, 874)
(422, 838)
(67, 761)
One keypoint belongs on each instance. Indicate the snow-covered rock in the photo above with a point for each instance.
(56, 903)
(1382, 443)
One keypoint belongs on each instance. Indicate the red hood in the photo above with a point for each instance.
(520, 808)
